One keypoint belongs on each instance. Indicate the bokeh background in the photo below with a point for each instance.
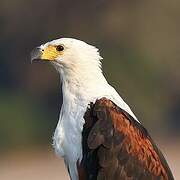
(140, 43)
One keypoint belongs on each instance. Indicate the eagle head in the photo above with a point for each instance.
(68, 55)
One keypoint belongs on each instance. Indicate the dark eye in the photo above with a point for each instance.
(59, 48)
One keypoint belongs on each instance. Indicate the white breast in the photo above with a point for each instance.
(68, 134)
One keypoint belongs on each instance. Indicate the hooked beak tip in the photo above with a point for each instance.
(36, 54)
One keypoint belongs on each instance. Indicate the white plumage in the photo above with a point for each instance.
(82, 82)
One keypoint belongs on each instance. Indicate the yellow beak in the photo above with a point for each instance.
(49, 53)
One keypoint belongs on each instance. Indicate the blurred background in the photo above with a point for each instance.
(140, 43)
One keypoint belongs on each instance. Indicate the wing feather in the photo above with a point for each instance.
(115, 146)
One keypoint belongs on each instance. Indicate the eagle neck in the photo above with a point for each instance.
(77, 94)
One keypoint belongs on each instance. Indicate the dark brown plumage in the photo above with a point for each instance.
(117, 147)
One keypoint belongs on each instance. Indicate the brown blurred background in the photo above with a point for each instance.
(140, 43)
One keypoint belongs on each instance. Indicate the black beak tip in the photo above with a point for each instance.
(35, 54)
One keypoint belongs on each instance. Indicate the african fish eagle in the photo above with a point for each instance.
(98, 135)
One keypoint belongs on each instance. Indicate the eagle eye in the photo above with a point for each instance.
(59, 48)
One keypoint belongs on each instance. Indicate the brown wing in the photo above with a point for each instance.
(116, 147)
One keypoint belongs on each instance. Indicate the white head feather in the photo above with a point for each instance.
(78, 58)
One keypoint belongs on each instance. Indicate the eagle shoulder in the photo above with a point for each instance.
(115, 146)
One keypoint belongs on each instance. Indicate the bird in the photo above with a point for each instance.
(97, 134)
